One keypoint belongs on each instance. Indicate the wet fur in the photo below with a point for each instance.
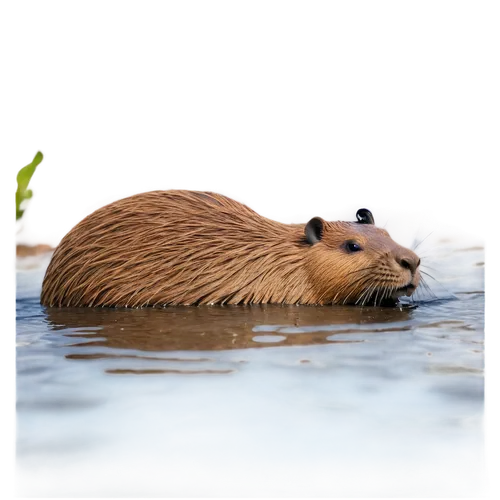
(183, 248)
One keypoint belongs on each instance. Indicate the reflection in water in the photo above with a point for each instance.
(209, 328)
(215, 328)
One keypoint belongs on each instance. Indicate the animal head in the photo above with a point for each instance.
(359, 263)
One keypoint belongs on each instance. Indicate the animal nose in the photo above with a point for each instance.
(408, 260)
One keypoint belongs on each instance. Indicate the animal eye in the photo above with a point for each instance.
(352, 247)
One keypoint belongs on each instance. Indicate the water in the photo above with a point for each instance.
(252, 401)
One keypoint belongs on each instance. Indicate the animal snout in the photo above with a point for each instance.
(408, 260)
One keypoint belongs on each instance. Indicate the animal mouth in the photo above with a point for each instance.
(393, 299)
(385, 299)
(406, 290)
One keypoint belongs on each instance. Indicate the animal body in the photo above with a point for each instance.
(165, 248)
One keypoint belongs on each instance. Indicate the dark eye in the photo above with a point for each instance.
(352, 247)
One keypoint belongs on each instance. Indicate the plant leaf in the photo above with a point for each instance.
(23, 179)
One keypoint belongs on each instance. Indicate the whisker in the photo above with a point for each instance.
(366, 278)
(426, 260)
(423, 270)
(414, 240)
(384, 291)
(390, 290)
(365, 294)
(437, 281)
(421, 241)
(427, 288)
(415, 294)
(431, 249)
(363, 269)
(370, 297)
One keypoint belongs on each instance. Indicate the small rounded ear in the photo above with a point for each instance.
(314, 230)
(364, 216)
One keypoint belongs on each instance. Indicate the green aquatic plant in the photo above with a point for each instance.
(23, 179)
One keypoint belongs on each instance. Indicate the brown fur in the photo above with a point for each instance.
(184, 247)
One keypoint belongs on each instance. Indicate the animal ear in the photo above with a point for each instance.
(314, 230)
(364, 216)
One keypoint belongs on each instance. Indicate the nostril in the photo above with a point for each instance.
(405, 263)
(409, 263)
